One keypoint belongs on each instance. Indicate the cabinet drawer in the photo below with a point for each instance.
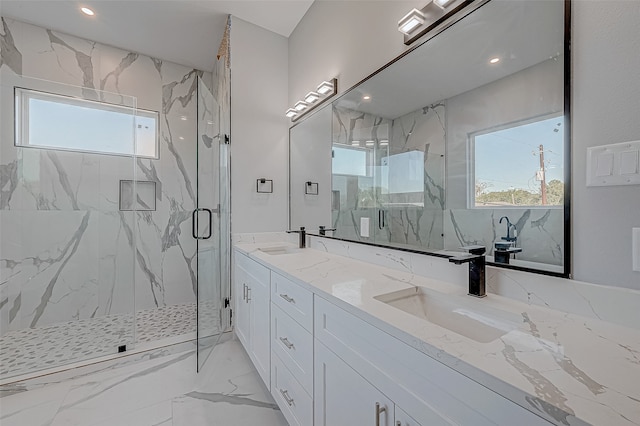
(290, 396)
(294, 345)
(293, 299)
(259, 272)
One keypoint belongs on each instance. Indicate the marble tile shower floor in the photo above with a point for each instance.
(34, 349)
(164, 391)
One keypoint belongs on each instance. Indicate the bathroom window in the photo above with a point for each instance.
(50, 121)
(520, 165)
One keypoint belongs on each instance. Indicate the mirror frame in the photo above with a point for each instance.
(567, 231)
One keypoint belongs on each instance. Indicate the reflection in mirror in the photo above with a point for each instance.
(461, 142)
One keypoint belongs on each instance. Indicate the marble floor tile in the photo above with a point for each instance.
(34, 349)
(164, 391)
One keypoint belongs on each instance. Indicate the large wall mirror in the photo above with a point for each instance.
(462, 141)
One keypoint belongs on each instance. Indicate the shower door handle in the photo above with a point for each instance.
(194, 223)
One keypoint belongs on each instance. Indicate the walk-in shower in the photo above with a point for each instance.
(114, 204)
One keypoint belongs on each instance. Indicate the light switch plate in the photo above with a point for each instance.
(635, 242)
(364, 227)
(615, 164)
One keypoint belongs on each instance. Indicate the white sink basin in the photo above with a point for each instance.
(278, 250)
(466, 317)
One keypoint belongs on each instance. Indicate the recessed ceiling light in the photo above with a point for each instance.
(181, 138)
(87, 11)
(366, 97)
(183, 117)
(494, 60)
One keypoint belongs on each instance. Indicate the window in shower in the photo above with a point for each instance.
(51, 121)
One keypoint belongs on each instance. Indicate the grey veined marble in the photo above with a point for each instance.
(68, 253)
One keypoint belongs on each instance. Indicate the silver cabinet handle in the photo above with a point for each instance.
(244, 292)
(287, 298)
(379, 410)
(286, 342)
(285, 395)
(248, 294)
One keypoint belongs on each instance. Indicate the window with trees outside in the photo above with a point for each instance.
(519, 166)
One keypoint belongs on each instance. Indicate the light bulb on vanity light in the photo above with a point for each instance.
(384, 142)
(325, 88)
(410, 22)
(291, 113)
(311, 97)
(300, 106)
(442, 3)
(355, 143)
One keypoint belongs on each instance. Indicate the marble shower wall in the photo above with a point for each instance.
(416, 217)
(67, 252)
(357, 194)
(412, 218)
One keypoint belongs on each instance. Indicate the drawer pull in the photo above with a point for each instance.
(286, 342)
(379, 410)
(285, 395)
(248, 294)
(287, 298)
(244, 289)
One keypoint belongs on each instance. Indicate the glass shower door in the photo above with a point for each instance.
(209, 225)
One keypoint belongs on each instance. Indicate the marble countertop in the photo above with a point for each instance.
(573, 370)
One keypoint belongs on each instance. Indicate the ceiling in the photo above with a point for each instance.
(187, 32)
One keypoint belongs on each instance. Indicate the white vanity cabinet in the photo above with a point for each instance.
(345, 398)
(326, 366)
(292, 350)
(252, 313)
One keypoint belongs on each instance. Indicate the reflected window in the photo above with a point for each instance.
(45, 120)
(518, 166)
(350, 161)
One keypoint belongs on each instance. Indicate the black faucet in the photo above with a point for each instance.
(476, 262)
(303, 236)
(323, 230)
(509, 226)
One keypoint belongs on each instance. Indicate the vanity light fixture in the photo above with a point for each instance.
(384, 142)
(313, 99)
(300, 106)
(494, 60)
(355, 143)
(442, 3)
(410, 22)
(87, 11)
(291, 113)
(370, 143)
(435, 17)
(325, 87)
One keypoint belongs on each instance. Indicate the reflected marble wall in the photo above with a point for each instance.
(66, 251)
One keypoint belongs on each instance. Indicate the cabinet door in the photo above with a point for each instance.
(241, 313)
(403, 419)
(260, 326)
(343, 397)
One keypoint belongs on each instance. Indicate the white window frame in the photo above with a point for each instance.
(22, 140)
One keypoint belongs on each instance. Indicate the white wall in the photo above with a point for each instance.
(344, 39)
(259, 129)
(352, 39)
(606, 109)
